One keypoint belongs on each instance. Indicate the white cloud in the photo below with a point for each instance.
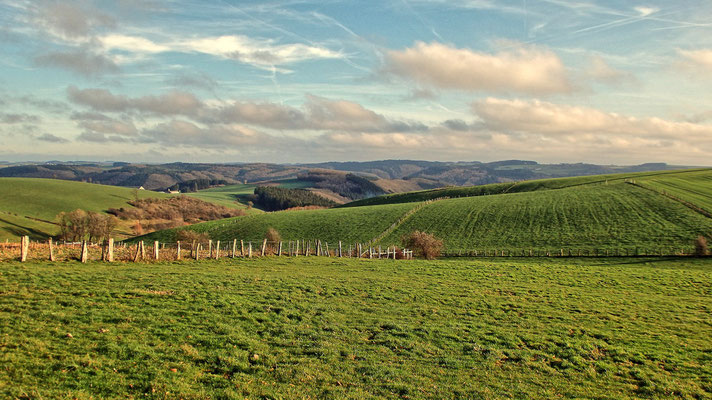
(526, 69)
(132, 44)
(258, 52)
(601, 71)
(177, 133)
(646, 11)
(548, 119)
(700, 60)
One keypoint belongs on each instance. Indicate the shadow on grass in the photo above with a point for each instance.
(19, 230)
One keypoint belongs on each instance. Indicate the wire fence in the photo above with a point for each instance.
(110, 251)
(174, 251)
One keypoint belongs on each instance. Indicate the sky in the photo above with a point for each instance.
(555, 81)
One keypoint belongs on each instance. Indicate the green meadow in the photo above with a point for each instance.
(28, 206)
(234, 196)
(325, 328)
(595, 214)
(237, 196)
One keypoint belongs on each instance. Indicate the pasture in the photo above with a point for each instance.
(331, 225)
(228, 196)
(593, 215)
(28, 206)
(352, 329)
(701, 176)
(694, 187)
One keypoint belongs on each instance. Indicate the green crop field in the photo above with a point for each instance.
(331, 225)
(323, 328)
(525, 186)
(603, 217)
(589, 214)
(43, 199)
(694, 187)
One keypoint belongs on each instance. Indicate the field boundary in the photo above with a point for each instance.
(686, 203)
(403, 218)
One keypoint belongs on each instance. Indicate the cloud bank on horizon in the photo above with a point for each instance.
(304, 81)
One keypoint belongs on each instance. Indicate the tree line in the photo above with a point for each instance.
(347, 185)
(272, 198)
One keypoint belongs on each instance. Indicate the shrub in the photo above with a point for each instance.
(423, 244)
(273, 235)
(188, 236)
(701, 248)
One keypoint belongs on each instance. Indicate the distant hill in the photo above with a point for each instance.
(387, 176)
(598, 213)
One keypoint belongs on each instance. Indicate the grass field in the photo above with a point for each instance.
(236, 195)
(527, 186)
(43, 199)
(229, 196)
(693, 187)
(331, 225)
(587, 214)
(603, 217)
(337, 329)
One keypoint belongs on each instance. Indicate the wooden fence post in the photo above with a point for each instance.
(359, 250)
(197, 251)
(242, 248)
(85, 252)
(264, 247)
(234, 247)
(210, 248)
(296, 250)
(178, 250)
(249, 250)
(306, 249)
(138, 252)
(110, 250)
(24, 248)
(155, 250)
(51, 249)
(340, 255)
(279, 252)
(217, 250)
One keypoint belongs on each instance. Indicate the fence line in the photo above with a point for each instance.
(110, 251)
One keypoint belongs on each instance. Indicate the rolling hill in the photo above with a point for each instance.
(598, 213)
(28, 206)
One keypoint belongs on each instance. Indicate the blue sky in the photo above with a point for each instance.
(608, 82)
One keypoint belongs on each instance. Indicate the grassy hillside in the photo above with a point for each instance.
(600, 216)
(228, 195)
(331, 225)
(237, 195)
(311, 328)
(522, 186)
(587, 213)
(694, 187)
(28, 206)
